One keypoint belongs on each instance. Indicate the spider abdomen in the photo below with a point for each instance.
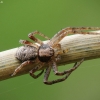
(25, 53)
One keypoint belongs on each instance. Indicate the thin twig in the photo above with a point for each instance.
(79, 46)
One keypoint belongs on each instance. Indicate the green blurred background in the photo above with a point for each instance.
(19, 17)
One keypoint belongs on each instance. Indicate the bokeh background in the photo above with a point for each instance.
(20, 17)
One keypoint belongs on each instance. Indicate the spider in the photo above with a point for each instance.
(47, 53)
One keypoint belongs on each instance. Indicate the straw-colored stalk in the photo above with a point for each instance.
(79, 46)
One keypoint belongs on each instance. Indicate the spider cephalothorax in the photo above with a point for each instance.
(48, 53)
(45, 53)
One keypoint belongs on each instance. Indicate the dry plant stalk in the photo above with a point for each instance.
(80, 46)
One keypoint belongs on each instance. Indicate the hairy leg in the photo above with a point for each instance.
(66, 73)
(36, 69)
(78, 30)
(31, 36)
(26, 42)
(33, 71)
(20, 67)
(76, 65)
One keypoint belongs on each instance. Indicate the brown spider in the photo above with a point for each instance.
(47, 53)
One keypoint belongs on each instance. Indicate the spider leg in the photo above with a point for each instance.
(34, 70)
(20, 67)
(68, 72)
(54, 81)
(47, 73)
(61, 34)
(75, 29)
(76, 65)
(92, 33)
(31, 36)
(57, 80)
(26, 42)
